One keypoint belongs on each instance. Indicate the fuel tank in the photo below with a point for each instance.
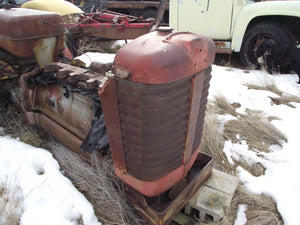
(28, 33)
(154, 107)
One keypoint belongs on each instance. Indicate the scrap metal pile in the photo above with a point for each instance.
(150, 111)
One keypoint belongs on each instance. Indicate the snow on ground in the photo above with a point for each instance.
(281, 179)
(90, 57)
(241, 215)
(51, 199)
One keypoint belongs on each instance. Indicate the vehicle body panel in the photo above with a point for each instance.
(226, 21)
(260, 9)
(200, 17)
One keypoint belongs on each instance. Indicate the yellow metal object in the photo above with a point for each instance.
(60, 6)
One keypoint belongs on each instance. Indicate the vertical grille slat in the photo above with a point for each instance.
(202, 109)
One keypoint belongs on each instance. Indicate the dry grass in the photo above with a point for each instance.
(12, 120)
(257, 131)
(99, 184)
(96, 45)
(271, 88)
(261, 209)
(212, 143)
(221, 106)
(11, 200)
(259, 134)
(282, 99)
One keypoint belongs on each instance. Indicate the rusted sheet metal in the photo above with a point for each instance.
(193, 117)
(27, 93)
(61, 134)
(45, 50)
(223, 47)
(158, 113)
(160, 14)
(132, 4)
(68, 109)
(112, 120)
(62, 109)
(172, 56)
(165, 212)
(81, 77)
(202, 109)
(110, 32)
(109, 25)
(29, 26)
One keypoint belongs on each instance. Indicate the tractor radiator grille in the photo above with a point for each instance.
(154, 121)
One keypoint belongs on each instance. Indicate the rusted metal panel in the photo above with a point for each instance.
(202, 109)
(166, 211)
(29, 24)
(112, 120)
(70, 110)
(223, 47)
(83, 78)
(162, 57)
(109, 25)
(67, 107)
(60, 133)
(28, 27)
(132, 4)
(111, 32)
(193, 116)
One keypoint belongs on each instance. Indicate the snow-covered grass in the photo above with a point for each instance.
(247, 93)
(281, 162)
(11, 201)
(99, 184)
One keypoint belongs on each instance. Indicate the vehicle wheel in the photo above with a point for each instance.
(149, 14)
(259, 33)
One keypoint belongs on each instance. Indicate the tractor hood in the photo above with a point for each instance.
(62, 7)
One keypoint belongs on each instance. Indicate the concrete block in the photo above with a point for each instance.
(214, 197)
(223, 182)
(182, 219)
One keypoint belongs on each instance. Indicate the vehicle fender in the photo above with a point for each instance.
(58, 6)
(254, 10)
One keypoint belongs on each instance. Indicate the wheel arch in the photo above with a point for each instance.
(253, 14)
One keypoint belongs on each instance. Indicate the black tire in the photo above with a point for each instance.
(149, 14)
(259, 33)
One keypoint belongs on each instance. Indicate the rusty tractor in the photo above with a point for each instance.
(150, 112)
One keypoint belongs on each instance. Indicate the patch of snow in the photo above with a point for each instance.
(90, 57)
(241, 215)
(49, 197)
(280, 180)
